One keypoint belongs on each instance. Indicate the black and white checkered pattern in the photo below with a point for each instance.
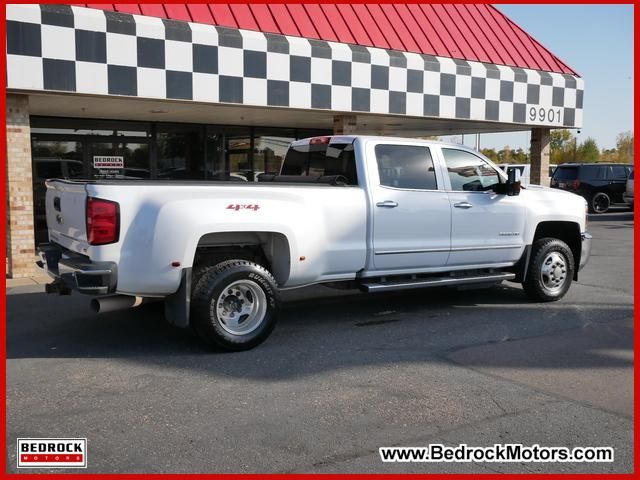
(68, 48)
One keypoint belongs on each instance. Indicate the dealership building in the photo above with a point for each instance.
(216, 92)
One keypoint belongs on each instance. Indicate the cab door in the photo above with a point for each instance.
(411, 215)
(486, 227)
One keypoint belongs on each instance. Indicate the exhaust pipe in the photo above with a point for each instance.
(117, 302)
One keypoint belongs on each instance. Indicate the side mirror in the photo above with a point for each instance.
(513, 182)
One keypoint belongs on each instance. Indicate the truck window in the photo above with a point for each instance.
(594, 172)
(406, 166)
(619, 172)
(565, 173)
(320, 159)
(468, 172)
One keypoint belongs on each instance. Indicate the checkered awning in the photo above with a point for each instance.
(88, 51)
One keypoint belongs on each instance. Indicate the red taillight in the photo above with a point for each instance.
(103, 221)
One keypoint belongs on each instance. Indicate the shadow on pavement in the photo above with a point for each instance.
(611, 217)
(318, 333)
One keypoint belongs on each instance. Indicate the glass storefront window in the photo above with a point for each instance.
(52, 159)
(229, 154)
(239, 158)
(180, 151)
(84, 148)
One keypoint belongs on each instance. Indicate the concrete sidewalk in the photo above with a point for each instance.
(28, 281)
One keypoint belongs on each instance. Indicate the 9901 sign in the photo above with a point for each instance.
(545, 115)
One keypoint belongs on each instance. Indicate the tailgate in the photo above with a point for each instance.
(65, 207)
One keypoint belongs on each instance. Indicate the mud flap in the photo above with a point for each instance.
(522, 266)
(178, 305)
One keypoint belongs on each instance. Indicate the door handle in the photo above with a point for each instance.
(464, 205)
(387, 204)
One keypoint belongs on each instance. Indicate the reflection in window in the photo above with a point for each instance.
(268, 154)
(469, 173)
(406, 166)
(320, 159)
(51, 159)
(180, 152)
(238, 155)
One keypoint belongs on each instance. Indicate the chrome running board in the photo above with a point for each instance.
(436, 282)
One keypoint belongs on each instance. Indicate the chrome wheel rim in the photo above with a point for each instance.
(554, 272)
(600, 203)
(241, 307)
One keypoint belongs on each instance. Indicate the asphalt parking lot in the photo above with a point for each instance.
(342, 375)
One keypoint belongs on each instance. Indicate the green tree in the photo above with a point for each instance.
(520, 156)
(609, 155)
(624, 145)
(505, 155)
(588, 151)
(490, 153)
(562, 143)
(560, 138)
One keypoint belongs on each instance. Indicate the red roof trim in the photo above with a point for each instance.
(286, 24)
(242, 13)
(461, 17)
(305, 25)
(222, 15)
(320, 22)
(385, 27)
(263, 17)
(358, 31)
(475, 32)
(375, 34)
(337, 23)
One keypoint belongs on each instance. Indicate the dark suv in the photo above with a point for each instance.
(601, 184)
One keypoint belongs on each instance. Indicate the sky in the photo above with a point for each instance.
(597, 42)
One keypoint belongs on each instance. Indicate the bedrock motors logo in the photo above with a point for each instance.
(52, 453)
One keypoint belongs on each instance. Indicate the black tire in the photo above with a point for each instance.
(211, 289)
(536, 285)
(599, 203)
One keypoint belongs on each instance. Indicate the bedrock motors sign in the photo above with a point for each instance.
(52, 453)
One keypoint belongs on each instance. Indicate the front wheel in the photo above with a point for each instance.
(234, 305)
(550, 270)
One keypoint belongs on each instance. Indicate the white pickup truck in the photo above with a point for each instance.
(372, 213)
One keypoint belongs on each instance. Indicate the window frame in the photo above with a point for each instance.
(502, 176)
(373, 165)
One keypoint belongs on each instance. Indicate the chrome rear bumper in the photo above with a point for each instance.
(72, 271)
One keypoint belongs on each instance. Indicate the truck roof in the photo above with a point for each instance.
(352, 138)
(605, 164)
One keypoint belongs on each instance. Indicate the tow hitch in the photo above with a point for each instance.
(57, 287)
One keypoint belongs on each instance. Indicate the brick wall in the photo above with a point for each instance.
(20, 239)
(540, 154)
